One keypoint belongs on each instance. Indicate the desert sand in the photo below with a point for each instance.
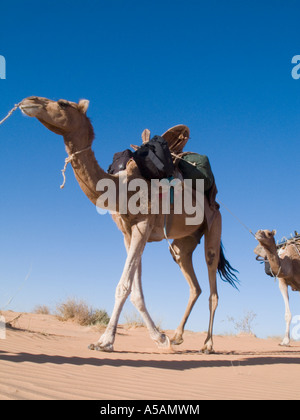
(44, 358)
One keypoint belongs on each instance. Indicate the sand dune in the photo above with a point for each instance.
(43, 358)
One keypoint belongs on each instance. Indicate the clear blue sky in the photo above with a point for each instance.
(221, 68)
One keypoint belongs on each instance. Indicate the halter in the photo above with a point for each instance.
(69, 160)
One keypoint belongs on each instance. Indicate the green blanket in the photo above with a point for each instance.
(194, 166)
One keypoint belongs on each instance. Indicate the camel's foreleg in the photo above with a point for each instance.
(288, 316)
(140, 234)
(137, 298)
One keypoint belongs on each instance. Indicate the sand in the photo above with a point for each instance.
(44, 358)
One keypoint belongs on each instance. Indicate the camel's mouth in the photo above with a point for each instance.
(260, 235)
(30, 109)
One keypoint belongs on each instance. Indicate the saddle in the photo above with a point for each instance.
(176, 138)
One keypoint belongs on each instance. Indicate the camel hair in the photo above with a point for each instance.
(69, 120)
(285, 265)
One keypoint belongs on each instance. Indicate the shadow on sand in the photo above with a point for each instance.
(180, 365)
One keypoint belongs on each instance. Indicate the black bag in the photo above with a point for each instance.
(154, 159)
(120, 160)
(268, 270)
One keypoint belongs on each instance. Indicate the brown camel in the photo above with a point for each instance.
(285, 265)
(69, 120)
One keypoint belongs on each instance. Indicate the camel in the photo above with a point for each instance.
(285, 265)
(69, 119)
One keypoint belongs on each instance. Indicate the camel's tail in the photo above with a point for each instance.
(226, 271)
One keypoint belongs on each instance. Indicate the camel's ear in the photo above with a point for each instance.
(274, 232)
(83, 105)
(146, 135)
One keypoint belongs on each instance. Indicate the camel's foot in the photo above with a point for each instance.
(105, 342)
(205, 350)
(163, 342)
(208, 347)
(99, 347)
(177, 339)
(285, 343)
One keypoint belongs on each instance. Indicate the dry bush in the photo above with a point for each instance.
(133, 320)
(99, 317)
(244, 325)
(81, 312)
(41, 309)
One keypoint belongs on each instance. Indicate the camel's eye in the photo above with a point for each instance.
(63, 104)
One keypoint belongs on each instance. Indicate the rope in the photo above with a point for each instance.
(243, 224)
(71, 157)
(179, 157)
(276, 277)
(10, 112)
(69, 160)
(18, 290)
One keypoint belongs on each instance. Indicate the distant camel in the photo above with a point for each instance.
(69, 120)
(285, 265)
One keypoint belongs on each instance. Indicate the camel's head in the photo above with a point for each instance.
(62, 117)
(265, 238)
(260, 252)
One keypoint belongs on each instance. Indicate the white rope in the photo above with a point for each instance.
(69, 160)
(187, 161)
(279, 271)
(229, 211)
(243, 224)
(10, 112)
(71, 157)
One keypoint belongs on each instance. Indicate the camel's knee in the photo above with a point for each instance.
(137, 300)
(122, 291)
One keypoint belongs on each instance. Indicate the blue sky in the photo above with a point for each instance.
(221, 68)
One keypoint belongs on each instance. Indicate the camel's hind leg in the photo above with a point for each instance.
(184, 249)
(212, 256)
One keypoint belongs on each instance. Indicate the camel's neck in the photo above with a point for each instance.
(274, 261)
(86, 168)
(276, 265)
